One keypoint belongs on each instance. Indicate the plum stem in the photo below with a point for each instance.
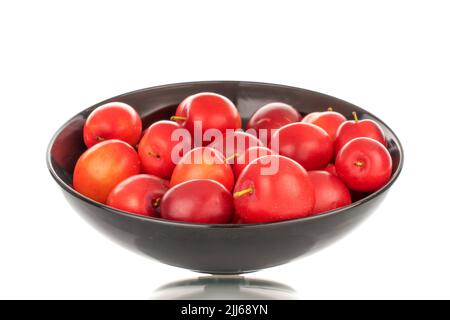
(153, 154)
(355, 116)
(156, 202)
(238, 194)
(359, 163)
(100, 139)
(178, 118)
(330, 109)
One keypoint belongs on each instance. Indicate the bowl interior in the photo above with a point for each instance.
(159, 103)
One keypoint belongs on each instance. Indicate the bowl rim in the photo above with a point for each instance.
(125, 214)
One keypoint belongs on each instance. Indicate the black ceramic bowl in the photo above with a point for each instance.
(217, 249)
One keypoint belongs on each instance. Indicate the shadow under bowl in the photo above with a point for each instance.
(216, 249)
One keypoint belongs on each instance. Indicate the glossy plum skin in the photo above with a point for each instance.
(310, 116)
(212, 110)
(198, 201)
(248, 156)
(352, 129)
(328, 121)
(331, 168)
(305, 143)
(286, 194)
(139, 194)
(364, 165)
(330, 192)
(182, 107)
(100, 168)
(270, 117)
(140, 139)
(203, 163)
(114, 120)
(155, 149)
(234, 144)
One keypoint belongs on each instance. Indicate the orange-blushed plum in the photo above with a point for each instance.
(103, 166)
(203, 163)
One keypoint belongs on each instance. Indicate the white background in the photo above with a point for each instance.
(390, 57)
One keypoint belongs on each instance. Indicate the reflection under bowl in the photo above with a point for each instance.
(224, 288)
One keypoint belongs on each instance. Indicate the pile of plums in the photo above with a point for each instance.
(201, 167)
